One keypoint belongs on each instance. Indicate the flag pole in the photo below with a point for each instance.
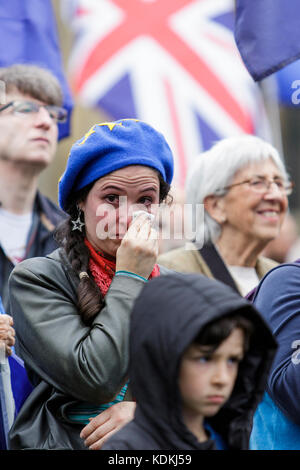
(269, 88)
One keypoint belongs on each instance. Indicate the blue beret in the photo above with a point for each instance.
(109, 146)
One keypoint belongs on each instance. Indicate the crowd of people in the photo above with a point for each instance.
(127, 347)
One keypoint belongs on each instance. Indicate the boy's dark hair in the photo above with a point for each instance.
(215, 332)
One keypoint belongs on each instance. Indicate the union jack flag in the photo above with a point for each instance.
(171, 63)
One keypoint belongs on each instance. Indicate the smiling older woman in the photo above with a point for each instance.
(243, 185)
(72, 309)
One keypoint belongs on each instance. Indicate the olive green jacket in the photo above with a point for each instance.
(67, 361)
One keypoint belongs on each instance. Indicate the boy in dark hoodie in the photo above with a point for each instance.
(200, 356)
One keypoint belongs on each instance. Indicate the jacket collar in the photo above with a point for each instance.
(50, 213)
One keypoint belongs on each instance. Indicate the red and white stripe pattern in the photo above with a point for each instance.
(185, 75)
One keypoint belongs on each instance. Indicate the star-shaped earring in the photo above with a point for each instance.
(77, 224)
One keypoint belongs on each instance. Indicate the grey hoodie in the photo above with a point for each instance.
(168, 314)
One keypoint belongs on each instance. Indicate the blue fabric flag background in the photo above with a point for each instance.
(288, 84)
(14, 389)
(267, 34)
(28, 34)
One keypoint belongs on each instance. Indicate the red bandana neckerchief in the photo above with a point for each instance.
(103, 269)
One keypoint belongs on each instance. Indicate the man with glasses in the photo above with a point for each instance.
(30, 110)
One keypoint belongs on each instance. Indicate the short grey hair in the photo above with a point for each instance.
(216, 168)
(32, 80)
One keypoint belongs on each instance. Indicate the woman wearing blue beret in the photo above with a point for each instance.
(72, 308)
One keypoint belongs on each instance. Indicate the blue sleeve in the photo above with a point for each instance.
(278, 300)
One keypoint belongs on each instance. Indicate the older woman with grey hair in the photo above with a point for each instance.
(243, 186)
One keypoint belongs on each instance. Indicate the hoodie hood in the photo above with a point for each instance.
(167, 316)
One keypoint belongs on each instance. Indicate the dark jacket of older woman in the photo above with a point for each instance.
(210, 264)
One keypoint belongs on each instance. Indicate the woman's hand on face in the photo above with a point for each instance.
(107, 423)
(138, 250)
(7, 333)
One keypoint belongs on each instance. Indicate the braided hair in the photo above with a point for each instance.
(89, 297)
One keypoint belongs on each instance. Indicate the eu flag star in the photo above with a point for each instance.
(110, 125)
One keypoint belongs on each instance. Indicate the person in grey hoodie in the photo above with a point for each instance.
(199, 359)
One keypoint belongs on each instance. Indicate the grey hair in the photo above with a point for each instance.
(216, 168)
(32, 80)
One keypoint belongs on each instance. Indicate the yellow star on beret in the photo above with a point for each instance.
(110, 125)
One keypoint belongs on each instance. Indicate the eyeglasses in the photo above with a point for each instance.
(261, 185)
(56, 113)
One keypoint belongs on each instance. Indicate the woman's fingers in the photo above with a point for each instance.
(6, 319)
(106, 423)
(7, 332)
(139, 227)
(138, 250)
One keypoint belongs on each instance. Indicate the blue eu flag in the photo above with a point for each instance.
(267, 34)
(14, 389)
(28, 34)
